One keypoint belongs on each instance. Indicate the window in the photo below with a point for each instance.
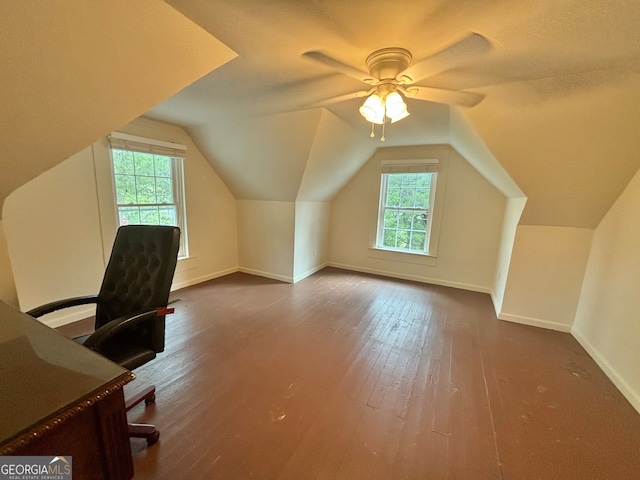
(148, 182)
(407, 196)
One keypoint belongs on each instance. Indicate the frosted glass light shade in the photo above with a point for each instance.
(373, 109)
(403, 114)
(395, 107)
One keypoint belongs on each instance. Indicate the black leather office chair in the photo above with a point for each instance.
(132, 304)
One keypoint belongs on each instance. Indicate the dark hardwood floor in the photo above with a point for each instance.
(351, 376)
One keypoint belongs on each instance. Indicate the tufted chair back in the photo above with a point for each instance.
(138, 276)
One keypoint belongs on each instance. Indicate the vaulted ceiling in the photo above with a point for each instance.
(560, 85)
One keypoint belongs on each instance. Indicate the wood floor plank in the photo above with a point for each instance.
(348, 375)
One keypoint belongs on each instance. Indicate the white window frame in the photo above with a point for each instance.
(382, 209)
(426, 165)
(177, 152)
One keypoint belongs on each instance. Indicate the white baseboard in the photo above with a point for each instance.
(308, 273)
(535, 322)
(260, 273)
(60, 318)
(414, 278)
(496, 307)
(203, 278)
(627, 390)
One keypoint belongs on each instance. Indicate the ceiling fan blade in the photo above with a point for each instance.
(339, 66)
(440, 95)
(340, 98)
(450, 57)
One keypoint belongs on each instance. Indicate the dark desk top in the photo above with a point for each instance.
(43, 373)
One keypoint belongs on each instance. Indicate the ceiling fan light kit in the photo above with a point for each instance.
(391, 77)
(380, 105)
(385, 102)
(385, 65)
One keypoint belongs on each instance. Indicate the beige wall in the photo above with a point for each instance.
(607, 321)
(311, 238)
(286, 241)
(266, 232)
(470, 231)
(512, 212)
(545, 276)
(61, 225)
(53, 232)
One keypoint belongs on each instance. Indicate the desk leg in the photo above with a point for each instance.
(112, 419)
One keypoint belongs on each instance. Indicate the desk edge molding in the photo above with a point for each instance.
(60, 417)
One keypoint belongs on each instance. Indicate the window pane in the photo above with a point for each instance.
(390, 219)
(417, 241)
(164, 190)
(420, 222)
(163, 166)
(122, 162)
(143, 163)
(394, 180)
(404, 220)
(403, 239)
(146, 190)
(393, 197)
(407, 197)
(129, 215)
(422, 198)
(125, 188)
(423, 180)
(149, 216)
(167, 216)
(389, 239)
(409, 179)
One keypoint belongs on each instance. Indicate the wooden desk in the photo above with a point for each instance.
(60, 398)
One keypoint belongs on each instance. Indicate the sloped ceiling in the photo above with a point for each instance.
(560, 84)
(73, 71)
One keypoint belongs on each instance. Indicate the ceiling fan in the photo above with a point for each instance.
(392, 76)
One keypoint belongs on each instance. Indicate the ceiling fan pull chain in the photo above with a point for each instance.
(382, 139)
(373, 135)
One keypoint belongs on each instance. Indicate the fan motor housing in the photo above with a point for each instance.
(387, 63)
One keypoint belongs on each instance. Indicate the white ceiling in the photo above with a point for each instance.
(561, 86)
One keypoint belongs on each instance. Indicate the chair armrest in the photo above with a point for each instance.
(109, 330)
(60, 304)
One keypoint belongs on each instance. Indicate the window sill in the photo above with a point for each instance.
(403, 256)
(186, 263)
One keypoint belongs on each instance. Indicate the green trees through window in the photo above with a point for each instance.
(144, 186)
(405, 211)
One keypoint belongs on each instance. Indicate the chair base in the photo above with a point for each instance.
(142, 430)
(148, 395)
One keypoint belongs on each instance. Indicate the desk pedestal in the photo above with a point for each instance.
(93, 432)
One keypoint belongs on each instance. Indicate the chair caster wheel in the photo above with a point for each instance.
(153, 438)
(150, 399)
